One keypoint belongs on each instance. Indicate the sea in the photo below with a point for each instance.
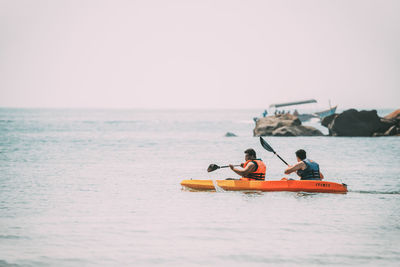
(101, 187)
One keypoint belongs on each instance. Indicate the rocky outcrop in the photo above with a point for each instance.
(394, 116)
(298, 130)
(229, 134)
(362, 123)
(283, 125)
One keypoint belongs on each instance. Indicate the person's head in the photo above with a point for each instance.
(250, 154)
(301, 154)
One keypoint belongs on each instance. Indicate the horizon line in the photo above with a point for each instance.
(179, 108)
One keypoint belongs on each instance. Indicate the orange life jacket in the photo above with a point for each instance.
(259, 173)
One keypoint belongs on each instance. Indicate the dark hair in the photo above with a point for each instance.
(301, 154)
(250, 152)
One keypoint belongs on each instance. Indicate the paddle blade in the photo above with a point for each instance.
(212, 167)
(266, 145)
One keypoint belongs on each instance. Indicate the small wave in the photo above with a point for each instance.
(110, 122)
(375, 192)
(188, 189)
(252, 193)
(217, 188)
(6, 264)
(121, 122)
(305, 194)
(10, 237)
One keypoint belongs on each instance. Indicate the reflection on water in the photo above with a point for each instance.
(305, 194)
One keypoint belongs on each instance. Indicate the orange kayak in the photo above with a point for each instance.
(281, 185)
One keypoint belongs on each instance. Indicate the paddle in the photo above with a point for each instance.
(270, 149)
(214, 167)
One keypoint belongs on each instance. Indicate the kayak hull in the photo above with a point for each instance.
(280, 185)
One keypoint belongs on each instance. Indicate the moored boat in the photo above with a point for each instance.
(326, 113)
(304, 116)
(276, 185)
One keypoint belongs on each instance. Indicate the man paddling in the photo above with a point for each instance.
(252, 169)
(305, 168)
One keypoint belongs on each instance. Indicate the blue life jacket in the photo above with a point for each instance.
(311, 172)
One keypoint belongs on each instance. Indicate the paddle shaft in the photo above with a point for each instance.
(281, 159)
(214, 167)
(228, 166)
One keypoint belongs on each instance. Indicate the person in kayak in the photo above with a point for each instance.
(305, 168)
(252, 169)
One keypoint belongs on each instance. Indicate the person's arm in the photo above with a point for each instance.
(243, 172)
(296, 167)
(321, 175)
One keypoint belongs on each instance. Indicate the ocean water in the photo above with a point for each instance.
(101, 188)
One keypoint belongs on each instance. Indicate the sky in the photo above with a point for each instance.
(204, 54)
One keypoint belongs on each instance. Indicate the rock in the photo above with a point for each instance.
(394, 130)
(394, 116)
(385, 125)
(358, 123)
(298, 130)
(377, 134)
(328, 119)
(229, 134)
(283, 125)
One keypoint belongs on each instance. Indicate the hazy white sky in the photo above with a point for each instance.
(199, 54)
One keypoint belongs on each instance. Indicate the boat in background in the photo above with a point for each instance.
(326, 113)
(305, 116)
